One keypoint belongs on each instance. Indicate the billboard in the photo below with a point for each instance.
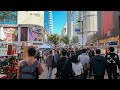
(24, 34)
(35, 34)
(108, 24)
(10, 19)
(3, 49)
(31, 17)
(9, 34)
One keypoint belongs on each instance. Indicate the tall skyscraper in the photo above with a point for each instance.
(69, 23)
(50, 22)
(46, 21)
(89, 19)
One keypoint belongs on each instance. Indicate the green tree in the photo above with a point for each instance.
(65, 39)
(10, 15)
(54, 38)
(75, 39)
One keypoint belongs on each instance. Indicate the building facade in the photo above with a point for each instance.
(26, 29)
(108, 27)
(69, 24)
(86, 21)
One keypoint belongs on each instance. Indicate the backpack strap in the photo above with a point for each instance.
(25, 63)
(34, 66)
(35, 63)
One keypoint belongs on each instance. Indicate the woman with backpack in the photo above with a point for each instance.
(30, 68)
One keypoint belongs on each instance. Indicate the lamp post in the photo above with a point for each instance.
(82, 31)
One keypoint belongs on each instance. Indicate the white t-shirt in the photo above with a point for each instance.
(77, 68)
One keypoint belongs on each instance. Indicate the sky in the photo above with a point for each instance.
(59, 21)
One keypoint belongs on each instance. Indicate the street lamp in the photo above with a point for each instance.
(82, 31)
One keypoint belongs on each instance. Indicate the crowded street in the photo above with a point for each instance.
(60, 45)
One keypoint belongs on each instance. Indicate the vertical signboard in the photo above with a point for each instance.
(3, 49)
(24, 34)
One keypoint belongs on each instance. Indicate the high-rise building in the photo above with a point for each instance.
(76, 18)
(69, 23)
(46, 21)
(64, 30)
(50, 22)
(72, 29)
(89, 20)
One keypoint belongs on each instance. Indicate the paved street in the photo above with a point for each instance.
(44, 74)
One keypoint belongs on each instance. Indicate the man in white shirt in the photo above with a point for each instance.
(84, 59)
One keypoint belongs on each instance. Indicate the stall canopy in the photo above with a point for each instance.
(45, 46)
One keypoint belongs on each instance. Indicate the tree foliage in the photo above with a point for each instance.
(65, 39)
(54, 38)
(75, 39)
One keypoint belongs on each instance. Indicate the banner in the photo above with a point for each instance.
(31, 17)
(108, 24)
(10, 19)
(24, 33)
(9, 34)
(3, 49)
(35, 35)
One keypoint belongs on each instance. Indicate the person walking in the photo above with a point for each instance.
(64, 67)
(92, 55)
(76, 67)
(84, 59)
(49, 63)
(30, 68)
(98, 65)
(38, 55)
(113, 62)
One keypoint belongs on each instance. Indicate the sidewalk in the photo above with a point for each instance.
(44, 74)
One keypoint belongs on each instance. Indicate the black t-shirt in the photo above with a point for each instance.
(112, 59)
(66, 73)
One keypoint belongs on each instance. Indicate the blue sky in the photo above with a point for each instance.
(59, 20)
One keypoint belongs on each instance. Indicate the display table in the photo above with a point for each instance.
(3, 76)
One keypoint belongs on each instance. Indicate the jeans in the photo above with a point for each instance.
(50, 72)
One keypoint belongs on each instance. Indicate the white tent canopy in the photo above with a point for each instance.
(45, 46)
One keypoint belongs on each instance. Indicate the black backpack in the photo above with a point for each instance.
(54, 63)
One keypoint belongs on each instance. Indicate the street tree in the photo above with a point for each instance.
(65, 39)
(54, 38)
(75, 39)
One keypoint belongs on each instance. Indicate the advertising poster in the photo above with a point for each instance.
(10, 19)
(3, 49)
(24, 33)
(107, 23)
(31, 17)
(10, 34)
(35, 34)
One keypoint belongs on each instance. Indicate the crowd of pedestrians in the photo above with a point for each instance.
(84, 63)
(70, 64)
